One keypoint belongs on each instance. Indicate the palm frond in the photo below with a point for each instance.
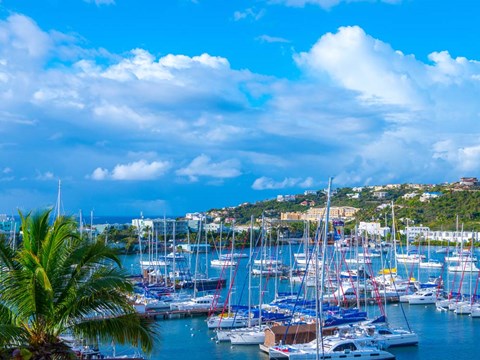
(125, 329)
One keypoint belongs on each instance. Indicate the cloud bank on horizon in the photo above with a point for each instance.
(153, 126)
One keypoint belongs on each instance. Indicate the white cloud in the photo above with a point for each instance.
(266, 183)
(203, 166)
(361, 63)
(327, 4)
(271, 39)
(139, 170)
(7, 170)
(101, 2)
(142, 66)
(100, 174)
(360, 109)
(45, 176)
(250, 13)
(20, 35)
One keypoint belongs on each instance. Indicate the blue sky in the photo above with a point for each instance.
(178, 106)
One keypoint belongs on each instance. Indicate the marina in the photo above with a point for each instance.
(430, 324)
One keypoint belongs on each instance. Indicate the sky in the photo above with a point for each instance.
(168, 107)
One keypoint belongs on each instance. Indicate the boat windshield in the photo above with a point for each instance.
(345, 346)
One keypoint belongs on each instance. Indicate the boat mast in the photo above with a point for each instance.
(81, 225)
(394, 235)
(231, 269)
(260, 282)
(250, 275)
(322, 280)
(165, 250)
(199, 236)
(59, 200)
(174, 230)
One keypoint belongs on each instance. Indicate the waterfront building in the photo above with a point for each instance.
(372, 229)
(313, 214)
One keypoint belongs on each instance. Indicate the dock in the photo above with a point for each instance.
(178, 314)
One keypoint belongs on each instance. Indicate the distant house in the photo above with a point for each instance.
(468, 181)
(353, 196)
(291, 216)
(415, 186)
(429, 195)
(393, 186)
(281, 198)
(310, 192)
(409, 195)
(380, 194)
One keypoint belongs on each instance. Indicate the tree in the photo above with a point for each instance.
(56, 283)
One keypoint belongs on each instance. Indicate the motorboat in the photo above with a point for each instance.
(422, 297)
(330, 348)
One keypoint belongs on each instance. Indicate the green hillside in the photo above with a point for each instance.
(437, 213)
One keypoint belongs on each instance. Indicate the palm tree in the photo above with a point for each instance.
(57, 283)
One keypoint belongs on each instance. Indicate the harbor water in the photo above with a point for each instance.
(443, 335)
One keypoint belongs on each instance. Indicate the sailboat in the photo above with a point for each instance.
(430, 263)
(222, 259)
(329, 347)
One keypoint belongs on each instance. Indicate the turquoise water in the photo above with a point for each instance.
(443, 335)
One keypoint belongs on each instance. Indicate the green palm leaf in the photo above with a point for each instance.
(56, 282)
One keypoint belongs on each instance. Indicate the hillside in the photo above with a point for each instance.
(410, 202)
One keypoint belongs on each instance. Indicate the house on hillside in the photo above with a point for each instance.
(429, 195)
(409, 195)
(380, 194)
(469, 181)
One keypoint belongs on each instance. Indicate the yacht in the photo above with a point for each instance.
(205, 302)
(330, 348)
(422, 297)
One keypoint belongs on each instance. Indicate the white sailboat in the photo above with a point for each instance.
(223, 260)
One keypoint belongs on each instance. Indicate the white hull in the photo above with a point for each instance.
(310, 353)
(218, 322)
(431, 265)
(464, 267)
(251, 337)
(222, 263)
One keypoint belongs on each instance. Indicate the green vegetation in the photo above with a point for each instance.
(126, 237)
(437, 213)
(54, 283)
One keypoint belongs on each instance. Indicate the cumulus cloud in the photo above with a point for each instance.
(139, 170)
(362, 63)
(203, 166)
(266, 183)
(22, 40)
(406, 109)
(361, 110)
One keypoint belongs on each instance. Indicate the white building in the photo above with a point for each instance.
(372, 229)
(409, 195)
(416, 232)
(454, 236)
(429, 195)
